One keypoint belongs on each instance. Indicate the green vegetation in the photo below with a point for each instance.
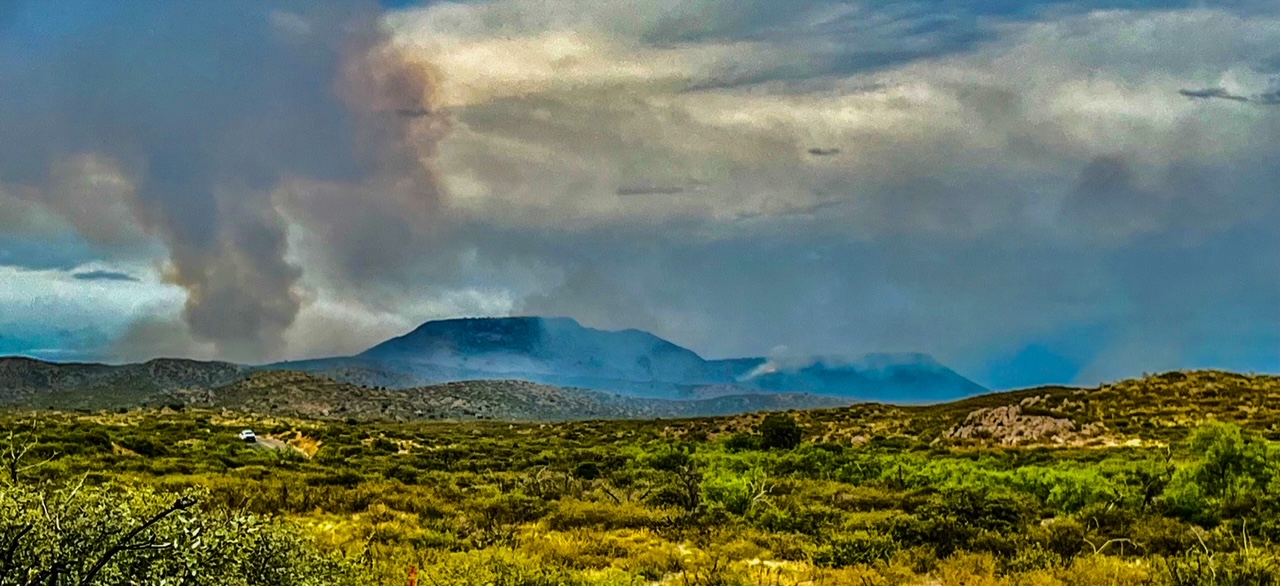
(869, 495)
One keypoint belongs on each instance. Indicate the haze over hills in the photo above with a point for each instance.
(483, 368)
(27, 383)
(560, 351)
(298, 394)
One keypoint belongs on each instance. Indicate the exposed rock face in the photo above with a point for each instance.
(1008, 425)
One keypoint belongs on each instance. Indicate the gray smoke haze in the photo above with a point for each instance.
(1015, 188)
(189, 125)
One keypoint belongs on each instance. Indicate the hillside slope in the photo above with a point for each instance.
(35, 383)
(562, 352)
(550, 351)
(1159, 408)
(32, 384)
(298, 394)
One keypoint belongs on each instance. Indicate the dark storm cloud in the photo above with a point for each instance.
(1272, 96)
(671, 190)
(100, 275)
(205, 111)
(1210, 93)
(1160, 303)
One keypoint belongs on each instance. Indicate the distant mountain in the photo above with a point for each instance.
(560, 351)
(35, 383)
(900, 378)
(534, 346)
(623, 373)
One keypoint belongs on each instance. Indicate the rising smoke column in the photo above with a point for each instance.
(204, 110)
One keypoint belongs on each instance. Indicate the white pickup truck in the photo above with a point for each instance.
(248, 436)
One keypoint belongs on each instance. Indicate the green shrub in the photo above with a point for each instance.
(345, 478)
(1245, 568)
(587, 471)
(1230, 475)
(1164, 536)
(780, 432)
(573, 514)
(736, 493)
(144, 446)
(135, 536)
(1064, 538)
(1032, 557)
(510, 509)
(742, 442)
(806, 519)
(859, 547)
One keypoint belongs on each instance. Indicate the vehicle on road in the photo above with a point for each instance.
(248, 436)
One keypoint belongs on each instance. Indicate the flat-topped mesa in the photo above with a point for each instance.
(561, 351)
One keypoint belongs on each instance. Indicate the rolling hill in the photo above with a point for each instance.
(32, 384)
(36, 383)
(297, 394)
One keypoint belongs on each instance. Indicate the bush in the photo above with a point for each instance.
(1246, 568)
(859, 547)
(144, 446)
(501, 567)
(994, 511)
(139, 537)
(569, 514)
(1032, 558)
(742, 442)
(1232, 472)
(1063, 538)
(511, 509)
(736, 493)
(809, 520)
(345, 478)
(1164, 536)
(1097, 570)
(586, 471)
(780, 432)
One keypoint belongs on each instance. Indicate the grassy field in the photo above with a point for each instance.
(1168, 480)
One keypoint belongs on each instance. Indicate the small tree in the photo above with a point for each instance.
(780, 432)
(15, 455)
(1232, 462)
(685, 488)
(89, 536)
(1232, 471)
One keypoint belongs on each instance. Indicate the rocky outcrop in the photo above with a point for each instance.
(1009, 425)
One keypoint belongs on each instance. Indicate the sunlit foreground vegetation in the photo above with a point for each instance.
(174, 498)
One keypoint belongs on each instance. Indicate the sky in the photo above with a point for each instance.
(1031, 192)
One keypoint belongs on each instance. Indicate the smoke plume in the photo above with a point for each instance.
(197, 121)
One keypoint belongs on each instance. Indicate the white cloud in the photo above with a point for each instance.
(558, 113)
(38, 304)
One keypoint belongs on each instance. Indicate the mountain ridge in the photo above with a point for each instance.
(553, 352)
(212, 385)
(561, 351)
